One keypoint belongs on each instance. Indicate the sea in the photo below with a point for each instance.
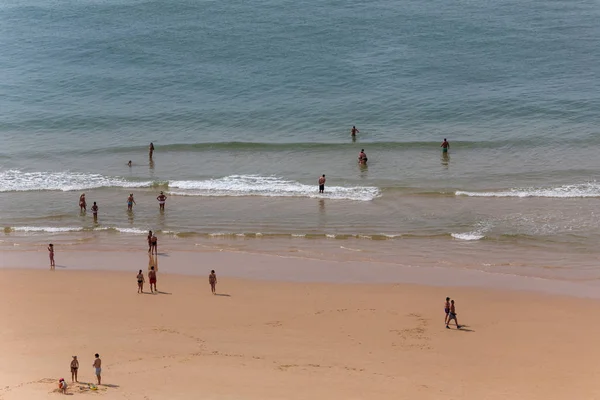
(248, 103)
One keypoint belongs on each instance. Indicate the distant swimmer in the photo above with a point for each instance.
(362, 157)
(130, 202)
(161, 201)
(322, 184)
(129, 163)
(82, 203)
(151, 150)
(354, 131)
(95, 211)
(445, 146)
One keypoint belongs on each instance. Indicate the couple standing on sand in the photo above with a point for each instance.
(62, 385)
(151, 278)
(450, 311)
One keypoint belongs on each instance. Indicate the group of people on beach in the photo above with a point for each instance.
(97, 365)
(161, 198)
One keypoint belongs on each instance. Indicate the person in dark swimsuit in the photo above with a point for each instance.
(322, 184)
(140, 281)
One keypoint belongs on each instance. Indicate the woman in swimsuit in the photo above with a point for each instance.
(82, 203)
(140, 281)
(74, 369)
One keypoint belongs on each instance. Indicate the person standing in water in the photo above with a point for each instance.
(151, 150)
(362, 157)
(354, 131)
(212, 280)
(51, 255)
(445, 146)
(322, 184)
(130, 202)
(95, 211)
(149, 241)
(82, 203)
(161, 201)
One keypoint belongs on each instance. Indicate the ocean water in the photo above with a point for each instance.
(248, 103)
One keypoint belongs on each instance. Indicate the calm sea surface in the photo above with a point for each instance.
(248, 103)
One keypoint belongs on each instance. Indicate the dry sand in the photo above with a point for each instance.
(297, 340)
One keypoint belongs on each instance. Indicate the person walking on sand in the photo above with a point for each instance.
(98, 368)
(322, 184)
(161, 201)
(140, 281)
(74, 369)
(95, 211)
(150, 150)
(51, 255)
(452, 316)
(152, 279)
(446, 310)
(149, 241)
(82, 203)
(354, 131)
(445, 146)
(212, 280)
(154, 244)
(130, 202)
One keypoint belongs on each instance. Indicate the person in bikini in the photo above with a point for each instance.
(82, 203)
(140, 281)
(130, 202)
(161, 201)
(95, 211)
(74, 369)
(51, 255)
(212, 280)
(452, 316)
(152, 279)
(322, 184)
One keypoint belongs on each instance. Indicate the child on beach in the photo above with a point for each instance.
(62, 386)
(212, 279)
(140, 281)
(74, 369)
(51, 254)
(452, 316)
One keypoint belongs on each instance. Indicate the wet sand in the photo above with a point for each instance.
(294, 334)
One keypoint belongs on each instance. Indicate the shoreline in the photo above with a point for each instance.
(295, 269)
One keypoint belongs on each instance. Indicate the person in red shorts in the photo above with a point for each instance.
(152, 279)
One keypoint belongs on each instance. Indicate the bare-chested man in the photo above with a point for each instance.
(154, 244)
(322, 184)
(149, 241)
(354, 131)
(130, 202)
(152, 279)
(452, 316)
(98, 368)
(161, 201)
(82, 203)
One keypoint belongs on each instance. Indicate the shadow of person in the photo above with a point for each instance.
(222, 294)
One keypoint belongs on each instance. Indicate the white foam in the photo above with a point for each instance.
(467, 236)
(17, 181)
(588, 189)
(135, 231)
(254, 185)
(49, 229)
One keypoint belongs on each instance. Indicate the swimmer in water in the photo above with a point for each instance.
(161, 201)
(322, 184)
(129, 163)
(130, 202)
(95, 211)
(362, 157)
(150, 150)
(354, 131)
(445, 146)
(82, 203)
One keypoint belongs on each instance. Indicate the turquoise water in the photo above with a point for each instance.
(248, 103)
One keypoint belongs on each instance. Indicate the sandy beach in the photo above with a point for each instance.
(271, 339)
